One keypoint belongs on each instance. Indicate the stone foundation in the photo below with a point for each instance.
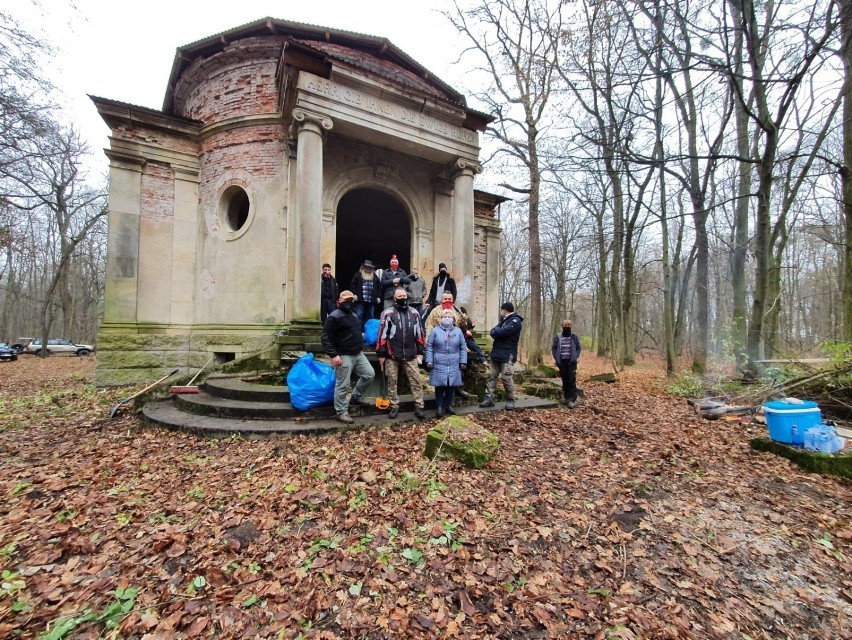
(132, 358)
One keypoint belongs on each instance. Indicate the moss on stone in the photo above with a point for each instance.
(546, 371)
(543, 389)
(839, 464)
(460, 438)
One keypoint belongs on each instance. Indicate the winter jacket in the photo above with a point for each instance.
(416, 290)
(556, 349)
(341, 334)
(506, 336)
(445, 351)
(449, 285)
(358, 286)
(400, 334)
(433, 320)
(329, 290)
(388, 287)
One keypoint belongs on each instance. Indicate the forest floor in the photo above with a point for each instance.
(625, 518)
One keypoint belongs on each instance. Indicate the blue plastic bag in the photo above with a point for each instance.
(311, 383)
(371, 331)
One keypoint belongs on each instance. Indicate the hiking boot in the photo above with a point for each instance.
(510, 404)
(571, 404)
(393, 413)
(345, 418)
(488, 402)
(418, 413)
(450, 411)
(439, 413)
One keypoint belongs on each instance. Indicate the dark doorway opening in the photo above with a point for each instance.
(371, 225)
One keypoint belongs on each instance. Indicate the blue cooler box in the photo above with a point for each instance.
(781, 416)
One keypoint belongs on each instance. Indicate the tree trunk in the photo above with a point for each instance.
(846, 171)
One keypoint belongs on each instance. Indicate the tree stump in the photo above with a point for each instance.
(460, 438)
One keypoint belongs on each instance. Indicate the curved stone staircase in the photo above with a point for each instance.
(233, 406)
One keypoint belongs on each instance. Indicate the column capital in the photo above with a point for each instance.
(464, 165)
(304, 117)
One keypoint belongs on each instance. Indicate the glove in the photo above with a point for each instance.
(429, 366)
(463, 366)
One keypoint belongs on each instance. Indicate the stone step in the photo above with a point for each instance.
(237, 389)
(165, 414)
(203, 403)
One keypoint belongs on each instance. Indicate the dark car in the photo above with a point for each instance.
(7, 352)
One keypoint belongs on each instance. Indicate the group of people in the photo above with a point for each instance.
(437, 337)
(374, 293)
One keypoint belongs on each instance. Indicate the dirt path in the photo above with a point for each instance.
(626, 518)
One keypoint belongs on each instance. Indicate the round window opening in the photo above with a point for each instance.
(236, 203)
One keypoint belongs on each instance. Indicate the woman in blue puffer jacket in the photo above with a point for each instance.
(446, 358)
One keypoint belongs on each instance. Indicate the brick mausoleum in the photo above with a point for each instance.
(281, 146)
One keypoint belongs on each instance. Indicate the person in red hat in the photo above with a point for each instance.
(393, 279)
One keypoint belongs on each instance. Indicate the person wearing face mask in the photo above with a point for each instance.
(566, 352)
(504, 354)
(343, 341)
(328, 293)
(392, 279)
(441, 283)
(434, 317)
(446, 358)
(400, 346)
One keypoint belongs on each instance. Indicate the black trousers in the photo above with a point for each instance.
(327, 305)
(568, 371)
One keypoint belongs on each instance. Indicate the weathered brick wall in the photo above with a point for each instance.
(480, 260)
(158, 191)
(238, 81)
(249, 152)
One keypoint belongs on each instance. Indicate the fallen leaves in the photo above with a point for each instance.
(613, 523)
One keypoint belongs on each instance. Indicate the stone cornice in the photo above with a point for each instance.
(116, 114)
(140, 152)
(239, 122)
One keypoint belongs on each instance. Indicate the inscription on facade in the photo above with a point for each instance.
(389, 110)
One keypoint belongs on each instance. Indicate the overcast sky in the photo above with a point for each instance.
(124, 51)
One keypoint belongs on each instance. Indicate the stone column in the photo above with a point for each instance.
(125, 179)
(463, 229)
(308, 213)
(184, 247)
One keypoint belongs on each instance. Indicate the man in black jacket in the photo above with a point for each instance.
(440, 283)
(343, 341)
(400, 346)
(504, 354)
(392, 279)
(328, 292)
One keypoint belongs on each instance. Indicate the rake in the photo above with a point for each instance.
(190, 388)
(139, 393)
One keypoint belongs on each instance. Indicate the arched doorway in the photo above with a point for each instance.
(371, 225)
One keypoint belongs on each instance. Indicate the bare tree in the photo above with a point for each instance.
(48, 183)
(517, 44)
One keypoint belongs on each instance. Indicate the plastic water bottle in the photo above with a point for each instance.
(794, 436)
